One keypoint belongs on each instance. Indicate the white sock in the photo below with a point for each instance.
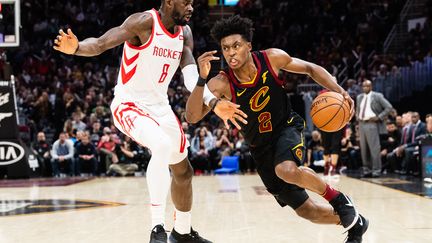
(157, 215)
(158, 182)
(182, 222)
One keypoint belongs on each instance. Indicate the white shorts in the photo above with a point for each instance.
(148, 125)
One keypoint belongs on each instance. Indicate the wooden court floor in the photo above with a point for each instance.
(227, 209)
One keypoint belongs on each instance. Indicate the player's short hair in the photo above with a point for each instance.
(232, 26)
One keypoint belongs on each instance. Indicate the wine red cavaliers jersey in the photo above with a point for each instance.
(147, 70)
(263, 99)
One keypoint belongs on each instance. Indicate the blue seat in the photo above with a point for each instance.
(230, 164)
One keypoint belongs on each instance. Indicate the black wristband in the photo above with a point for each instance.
(76, 50)
(201, 82)
(214, 104)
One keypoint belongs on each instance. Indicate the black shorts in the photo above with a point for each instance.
(332, 141)
(289, 145)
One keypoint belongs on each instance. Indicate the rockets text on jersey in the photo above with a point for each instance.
(146, 70)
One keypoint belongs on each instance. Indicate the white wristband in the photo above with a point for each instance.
(190, 76)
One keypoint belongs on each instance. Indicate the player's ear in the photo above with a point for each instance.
(249, 45)
(168, 3)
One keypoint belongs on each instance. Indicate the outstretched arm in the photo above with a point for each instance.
(279, 59)
(68, 43)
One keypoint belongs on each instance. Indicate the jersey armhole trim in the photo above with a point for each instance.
(276, 77)
(149, 41)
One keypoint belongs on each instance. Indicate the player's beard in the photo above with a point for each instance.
(178, 19)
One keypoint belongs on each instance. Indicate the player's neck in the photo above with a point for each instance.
(247, 72)
(166, 20)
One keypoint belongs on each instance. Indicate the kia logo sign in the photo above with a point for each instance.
(10, 153)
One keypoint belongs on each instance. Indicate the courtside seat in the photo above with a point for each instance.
(230, 164)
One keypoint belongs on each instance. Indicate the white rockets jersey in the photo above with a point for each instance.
(147, 70)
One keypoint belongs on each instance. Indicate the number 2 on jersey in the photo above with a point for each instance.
(164, 73)
(265, 122)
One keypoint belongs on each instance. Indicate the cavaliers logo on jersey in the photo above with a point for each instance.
(260, 99)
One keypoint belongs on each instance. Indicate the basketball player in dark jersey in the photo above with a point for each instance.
(273, 130)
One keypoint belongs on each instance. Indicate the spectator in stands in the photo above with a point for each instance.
(362, 76)
(102, 116)
(77, 123)
(353, 88)
(187, 131)
(371, 112)
(96, 133)
(200, 148)
(127, 157)
(224, 143)
(106, 148)
(315, 151)
(416, 132)
(389, 143)
(350, 151)
(76, 137)
(428, 134)
(399, 123)
(394, 158)
(62, 153)
(42, 151)
(86, 154)
(42, 110)
(70, 103)
(68, 128)
(383, 71)
(247, 164)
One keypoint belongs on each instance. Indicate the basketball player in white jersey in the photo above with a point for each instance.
(156, 43)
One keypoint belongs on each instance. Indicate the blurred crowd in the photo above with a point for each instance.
(64, 100)
(399, 148)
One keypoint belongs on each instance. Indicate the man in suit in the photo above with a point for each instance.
(371, 112)
(416, 132)
(394, 158)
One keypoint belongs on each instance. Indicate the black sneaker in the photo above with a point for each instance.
(192, 237)
(356, 232)
(158, 234)
(345, 209)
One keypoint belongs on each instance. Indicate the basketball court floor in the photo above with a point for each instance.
(227, 209)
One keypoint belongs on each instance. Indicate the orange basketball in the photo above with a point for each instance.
(330, 111)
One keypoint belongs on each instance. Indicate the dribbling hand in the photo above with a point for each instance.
(350, 101)
(66, 42)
